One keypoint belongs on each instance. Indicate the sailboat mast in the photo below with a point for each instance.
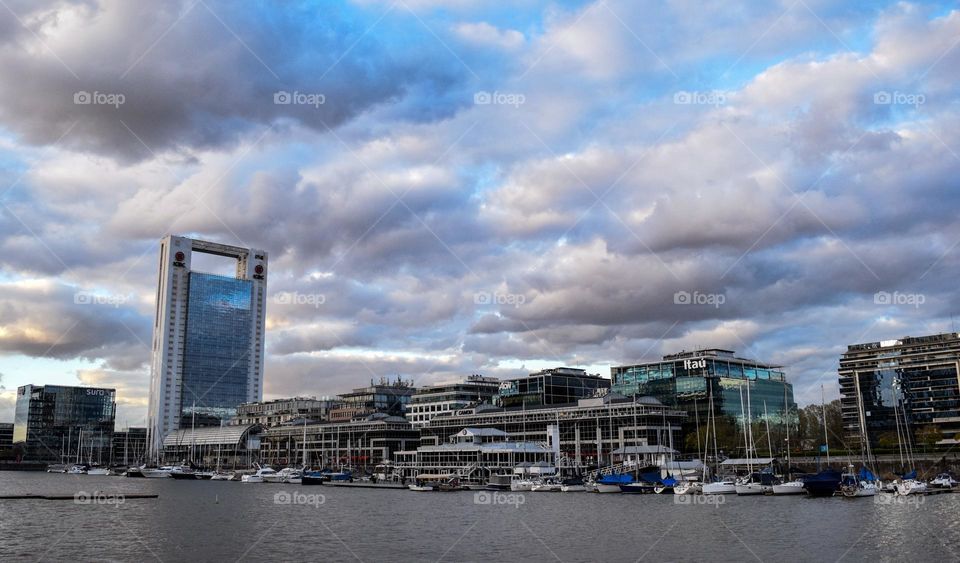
(823, 410)
(743, 420)
(766, 421)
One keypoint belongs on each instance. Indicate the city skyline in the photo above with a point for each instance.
(553, 184)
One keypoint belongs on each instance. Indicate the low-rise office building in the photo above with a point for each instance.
(275, 413)
(588, 431)
(738, 388)
(129, 447)
(384, 397)
(60, 424)
(554, 386)
(440, 398)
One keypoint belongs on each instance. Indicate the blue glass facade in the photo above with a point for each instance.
(216, 347)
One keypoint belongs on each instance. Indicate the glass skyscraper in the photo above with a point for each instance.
(208, 337)
(688, 380)
(215, 347)
(60, 424)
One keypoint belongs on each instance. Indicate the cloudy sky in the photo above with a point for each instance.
(455, 187)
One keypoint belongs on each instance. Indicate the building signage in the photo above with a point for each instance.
(694, 364)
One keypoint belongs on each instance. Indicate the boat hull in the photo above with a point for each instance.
(605, 488)
(719, 489)
(789, 489)
(636, 488)
(753, 489)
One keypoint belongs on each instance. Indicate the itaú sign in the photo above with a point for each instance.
(694, 364)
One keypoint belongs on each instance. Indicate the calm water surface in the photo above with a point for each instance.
(227, 521)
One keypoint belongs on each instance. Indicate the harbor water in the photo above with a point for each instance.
(231, 521)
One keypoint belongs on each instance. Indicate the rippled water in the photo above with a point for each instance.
(227, 521)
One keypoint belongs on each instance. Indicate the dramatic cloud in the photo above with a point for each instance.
(455, 188)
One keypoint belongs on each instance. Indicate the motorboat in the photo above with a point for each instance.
(184, 472)
(794, 487)
(422, 487)
(823, 484)
(943, 481)
(726, 486)
(279, 476)
(156, 472)
(260, 476)
(500, 482)
(57, 468)
(294, 477)
(522, 485)
(546, 487)
(313, 478)
(688, 488)
(637, 488)
(574, 485)
(98, 471)
(911, 487)
(220, 476)
(77, 470)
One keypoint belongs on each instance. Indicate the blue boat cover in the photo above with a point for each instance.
(866, 475)
(616, 479)
(911, 475)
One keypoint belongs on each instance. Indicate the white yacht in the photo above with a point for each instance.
(293, 476)
(261, 476)
(546, 487)
(156, 472)
(727, 486)
(220, 476)
(943, 481)
(77, 470)
(688, 488)
(911, 487)
(522, 485)
(98, 471)
(794, 487)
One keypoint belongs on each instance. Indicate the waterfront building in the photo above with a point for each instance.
(554, 386)
(224, 447)
(892, 386)
(387, 397)
(6, 436)
(129, 446)
(208, 337)
(275, 413)
(60, 424)
(359, 444)
(473, 455)
(689, 380)
(438, 398)
(589, 430)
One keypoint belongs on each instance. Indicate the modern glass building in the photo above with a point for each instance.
(897, 387)
(431, 400)
(555, 386)
(215, 347)
(384, 397)
(688, 380)
(59, 424)
(208, 338)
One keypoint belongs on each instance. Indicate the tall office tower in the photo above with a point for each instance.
(207, 337)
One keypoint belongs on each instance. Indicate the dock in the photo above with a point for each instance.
(93, 497)
(355, 485)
